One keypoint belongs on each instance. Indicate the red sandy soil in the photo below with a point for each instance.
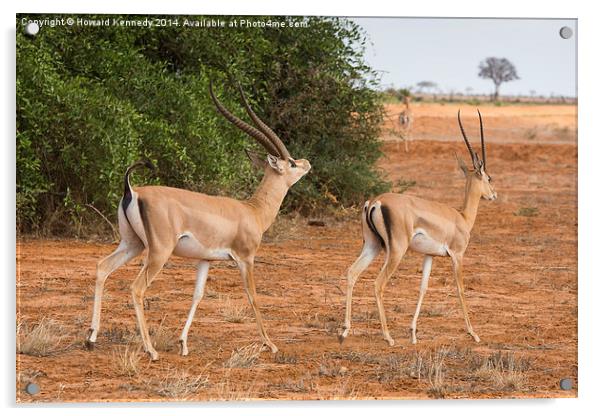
(516, 123)
(521, 289)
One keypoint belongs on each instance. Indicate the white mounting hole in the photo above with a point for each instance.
(566, 32)
(32, 28)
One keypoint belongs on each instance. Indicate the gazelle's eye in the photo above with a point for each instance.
(292, 162)
(490, 179)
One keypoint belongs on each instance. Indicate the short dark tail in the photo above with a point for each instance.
(127, 189)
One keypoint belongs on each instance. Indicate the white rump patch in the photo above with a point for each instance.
(134, 221)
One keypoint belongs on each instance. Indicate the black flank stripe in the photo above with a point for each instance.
(386, 219)
(144, 216)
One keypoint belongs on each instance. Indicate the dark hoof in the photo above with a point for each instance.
(341, 339)
(89, 344)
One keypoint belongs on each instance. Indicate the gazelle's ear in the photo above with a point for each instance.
(273, 162)
(256, 159)
(481, 169)
(462, 165)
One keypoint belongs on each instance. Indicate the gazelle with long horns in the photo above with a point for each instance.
(170, 221)
(395, 223)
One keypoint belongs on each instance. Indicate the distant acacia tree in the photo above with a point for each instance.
(426, 85)
(499, 70)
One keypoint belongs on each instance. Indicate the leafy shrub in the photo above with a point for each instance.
(91, 100)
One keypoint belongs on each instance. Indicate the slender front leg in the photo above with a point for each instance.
(199, 290)
(126, 251)
(426, 272)
(457, 269)
(246, 271)
(369, 251)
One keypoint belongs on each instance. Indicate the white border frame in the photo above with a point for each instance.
(590, 167)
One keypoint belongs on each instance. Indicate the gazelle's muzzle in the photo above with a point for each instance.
(492, 196)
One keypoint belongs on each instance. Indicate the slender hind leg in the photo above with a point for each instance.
(127, 250)
(369, 251)
(199, 290)
(246, 272)
(457, 268)
(426, 272)
(394, 256)
(153, 266)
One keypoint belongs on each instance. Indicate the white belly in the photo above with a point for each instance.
(189, 246)
(421, 242)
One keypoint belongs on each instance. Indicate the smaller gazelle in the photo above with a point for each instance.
(398, 222)
(406, 119)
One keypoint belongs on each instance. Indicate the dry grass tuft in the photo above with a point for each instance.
(361, 357)
(527, 212)
(244, 357)
(126, 360)
(396, 366)
(282, 358)
(417, 368)
(390, 368)
(121, 335)
(331, 368)
(232, 312)
(303, 385)
(504, 370)
(314, 322)
(179, 384)
(163, 339)
(435, 311)
(41, 340)
(211, 294)
(436, 373)
(344, 389)
(237, 391)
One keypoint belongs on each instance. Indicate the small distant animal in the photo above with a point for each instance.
(406, 120)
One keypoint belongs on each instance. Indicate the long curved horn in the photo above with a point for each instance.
(482, 141)
(250, 130)
(282, 150)
(473, 155)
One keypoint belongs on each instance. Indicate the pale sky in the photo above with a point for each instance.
(448, 52)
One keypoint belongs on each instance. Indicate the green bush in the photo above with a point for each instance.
(91, 100)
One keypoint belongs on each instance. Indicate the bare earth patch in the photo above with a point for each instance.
(521, 288)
